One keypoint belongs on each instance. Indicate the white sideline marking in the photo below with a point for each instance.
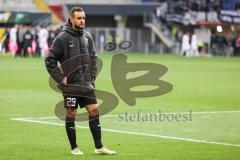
(133, 133)
(212, 112)
(116, 115)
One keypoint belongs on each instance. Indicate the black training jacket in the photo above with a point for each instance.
(76, 53)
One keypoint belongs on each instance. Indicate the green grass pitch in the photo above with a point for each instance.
(209, 87)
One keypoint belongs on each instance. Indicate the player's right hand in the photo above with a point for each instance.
(64, 80)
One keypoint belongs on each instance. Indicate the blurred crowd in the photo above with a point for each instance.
(180, 6)
(23, 40)
(219, 45)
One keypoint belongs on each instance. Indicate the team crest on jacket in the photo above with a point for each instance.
(86, 40)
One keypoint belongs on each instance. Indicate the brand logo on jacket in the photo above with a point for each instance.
(70, 44)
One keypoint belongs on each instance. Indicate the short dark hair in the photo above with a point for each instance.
(75, 9)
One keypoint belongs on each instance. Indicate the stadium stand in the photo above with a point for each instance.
(22, 5)
(43, 6)
(62, 2)
(153, 25)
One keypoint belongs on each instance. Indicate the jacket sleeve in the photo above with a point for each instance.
(93, 58)
(51, 61)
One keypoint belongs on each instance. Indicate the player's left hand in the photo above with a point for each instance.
(93, 83)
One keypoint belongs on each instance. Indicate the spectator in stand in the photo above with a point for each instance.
(195, 5)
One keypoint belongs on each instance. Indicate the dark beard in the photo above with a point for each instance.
(78, 28)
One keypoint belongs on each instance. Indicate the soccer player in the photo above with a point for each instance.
(74, 49)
